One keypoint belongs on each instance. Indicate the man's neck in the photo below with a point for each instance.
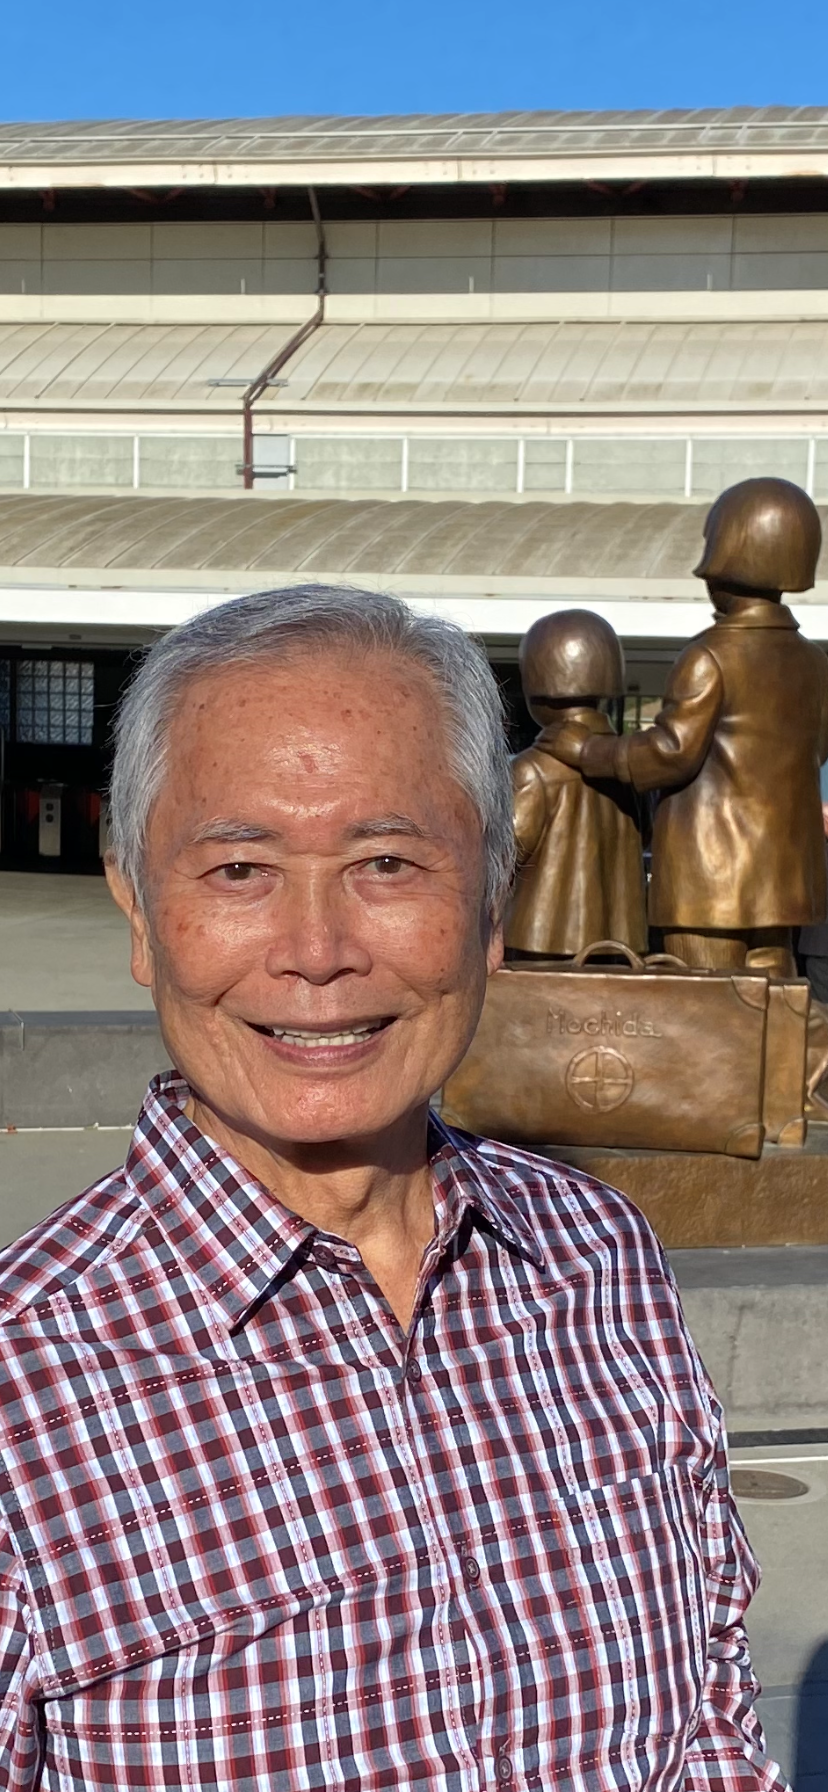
(375, 1194)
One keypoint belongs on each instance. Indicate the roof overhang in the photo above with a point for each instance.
(146, 563)
(736, 144)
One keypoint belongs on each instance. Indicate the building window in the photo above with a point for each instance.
(55, 702)
(200, 463)
(58, 463)
(5, 699)
(461, 464)
(344, 463)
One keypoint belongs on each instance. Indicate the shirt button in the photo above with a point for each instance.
(471, 1574)
(325, 1258)
(503, 1767)
(414, 1373)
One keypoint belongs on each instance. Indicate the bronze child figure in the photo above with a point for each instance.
(738, 844)
(580, 873)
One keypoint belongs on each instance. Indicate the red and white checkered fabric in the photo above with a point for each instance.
(255, 1538)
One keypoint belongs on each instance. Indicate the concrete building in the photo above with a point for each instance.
(496, 364)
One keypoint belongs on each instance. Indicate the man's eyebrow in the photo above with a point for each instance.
(232, 832)
(240, 833)
(383, 825)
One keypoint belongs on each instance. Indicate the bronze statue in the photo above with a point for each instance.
(580, 875)
(738, 847)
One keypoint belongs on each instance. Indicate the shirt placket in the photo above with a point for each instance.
(399, 1375)
(480, 1616)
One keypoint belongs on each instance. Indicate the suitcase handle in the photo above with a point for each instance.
(605, 947)
(666, 958)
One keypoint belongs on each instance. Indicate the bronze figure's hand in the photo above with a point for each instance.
(569, 742)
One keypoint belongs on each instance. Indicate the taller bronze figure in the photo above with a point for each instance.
(580, 874)
(738, 845)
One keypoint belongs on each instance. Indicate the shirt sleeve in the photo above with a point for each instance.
(21, 1712)
(727, 1753)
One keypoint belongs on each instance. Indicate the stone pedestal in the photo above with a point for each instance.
(692, 1199)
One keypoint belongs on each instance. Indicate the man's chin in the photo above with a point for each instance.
(322, 1117)
(280, 1114)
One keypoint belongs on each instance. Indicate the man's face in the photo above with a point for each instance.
(315, 935)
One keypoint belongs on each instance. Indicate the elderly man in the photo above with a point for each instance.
(339, 1450)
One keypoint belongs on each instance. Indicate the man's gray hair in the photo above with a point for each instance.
(271, 623)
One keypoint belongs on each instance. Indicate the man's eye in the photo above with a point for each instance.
(240, 872)
(387, 865)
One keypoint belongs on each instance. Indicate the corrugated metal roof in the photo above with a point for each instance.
(131, 364)
(362, 539)
(478, 135)
(406, 368)
(561, 366)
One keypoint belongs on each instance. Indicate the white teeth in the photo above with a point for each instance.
(309, 1040)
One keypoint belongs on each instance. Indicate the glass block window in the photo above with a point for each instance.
(58, 462)
(5, 699)
(56, 702)
(719, 461)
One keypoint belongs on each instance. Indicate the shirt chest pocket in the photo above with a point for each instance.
(612, 1585)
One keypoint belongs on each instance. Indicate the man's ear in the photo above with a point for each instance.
(494, 950)
(123, 892)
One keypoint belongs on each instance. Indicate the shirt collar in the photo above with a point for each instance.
(463, 1180)
(234, 1235)
(231, 1232)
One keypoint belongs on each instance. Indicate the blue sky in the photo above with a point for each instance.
(176, 58)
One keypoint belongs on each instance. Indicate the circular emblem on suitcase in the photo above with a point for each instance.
(600, 1079)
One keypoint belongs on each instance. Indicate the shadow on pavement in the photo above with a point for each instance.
(811, 1763)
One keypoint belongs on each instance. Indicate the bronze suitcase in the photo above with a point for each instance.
(786, 1052)
(644, 1055)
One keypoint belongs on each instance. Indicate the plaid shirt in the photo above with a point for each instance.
(253, 1537)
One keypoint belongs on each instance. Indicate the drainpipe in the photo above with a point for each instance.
(280, 360)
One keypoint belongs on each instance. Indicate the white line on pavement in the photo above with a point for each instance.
(772, 1461)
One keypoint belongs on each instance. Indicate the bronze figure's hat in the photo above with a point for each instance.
(572, 654)
(764, 535)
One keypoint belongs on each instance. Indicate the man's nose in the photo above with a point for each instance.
(315, 933)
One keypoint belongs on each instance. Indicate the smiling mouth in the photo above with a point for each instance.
(310, 1039)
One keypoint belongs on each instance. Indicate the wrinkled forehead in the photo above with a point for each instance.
(376, 698)
(333, 726)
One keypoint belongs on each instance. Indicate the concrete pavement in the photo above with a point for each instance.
(788, 1620)
(63, 945)
(41, 1170)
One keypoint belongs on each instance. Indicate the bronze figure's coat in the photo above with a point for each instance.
(738, 842)
(580, 873)
(737, 747)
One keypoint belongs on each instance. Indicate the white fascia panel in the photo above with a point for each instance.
(419, 170)
(788, 304)
(634, 618)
